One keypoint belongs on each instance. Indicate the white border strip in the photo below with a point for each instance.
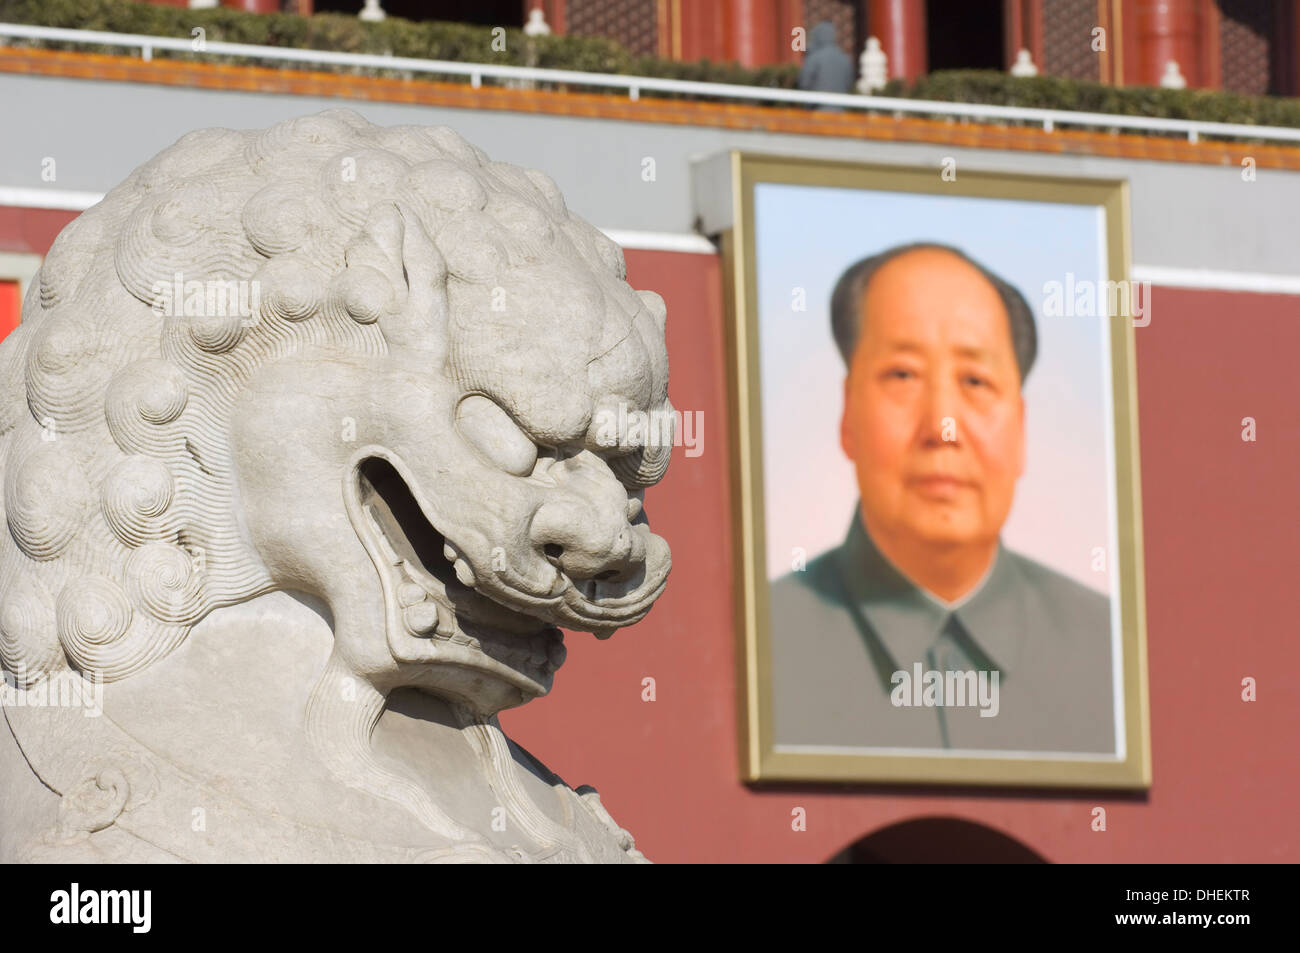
(80, 201)
(662, 241)
(687, 243)
(1210, 280)
(49, 198)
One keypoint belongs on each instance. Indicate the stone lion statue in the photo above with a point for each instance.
(306, 453)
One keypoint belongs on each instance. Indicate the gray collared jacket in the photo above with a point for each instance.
(851, 635)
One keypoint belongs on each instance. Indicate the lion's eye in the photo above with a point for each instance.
(489, 429)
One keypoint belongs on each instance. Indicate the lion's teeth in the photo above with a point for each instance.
(421, 618)
(446, 623)
(465, 574)
(449, 552)
(410, 594)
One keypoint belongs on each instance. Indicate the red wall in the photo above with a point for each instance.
(1221, 518)
(24, 230)
(31, 230)
(10, 306)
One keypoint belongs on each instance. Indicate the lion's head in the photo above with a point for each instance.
(365, 363)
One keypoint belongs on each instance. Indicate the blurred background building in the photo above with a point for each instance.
(1245, 46)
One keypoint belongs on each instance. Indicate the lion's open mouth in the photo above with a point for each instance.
(434, 585)
(474, 611)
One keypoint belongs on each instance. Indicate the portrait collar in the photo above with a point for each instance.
(907, 620)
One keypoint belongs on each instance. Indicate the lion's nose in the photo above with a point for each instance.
(586, 542)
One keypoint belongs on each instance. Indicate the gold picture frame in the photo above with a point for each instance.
(761, 759)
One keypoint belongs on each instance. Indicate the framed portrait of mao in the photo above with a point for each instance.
(939, 529)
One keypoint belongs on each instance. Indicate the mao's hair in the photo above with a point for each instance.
(846, 299)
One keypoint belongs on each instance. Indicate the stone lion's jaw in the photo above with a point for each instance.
(461, 617)
(435, 614)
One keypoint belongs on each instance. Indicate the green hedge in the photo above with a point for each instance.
(466, 43)
(1055, 92)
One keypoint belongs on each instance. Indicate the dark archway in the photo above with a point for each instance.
(967, 35)
(937, 840)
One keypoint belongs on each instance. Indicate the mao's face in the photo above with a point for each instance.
(933, 416)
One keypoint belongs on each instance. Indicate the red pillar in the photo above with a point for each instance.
(701, 31)
(752, 31)
(789, 14)
(1023, 30)
(1035, 29)
(900, 27)
(1211, 37)
(1168, 30)
(1013, 22)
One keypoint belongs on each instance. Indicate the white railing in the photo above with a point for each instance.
(634, 85)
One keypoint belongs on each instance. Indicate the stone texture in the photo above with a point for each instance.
(305, 456)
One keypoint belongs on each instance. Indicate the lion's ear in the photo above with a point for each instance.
(394, 242)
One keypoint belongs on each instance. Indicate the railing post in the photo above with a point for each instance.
(146, 52)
